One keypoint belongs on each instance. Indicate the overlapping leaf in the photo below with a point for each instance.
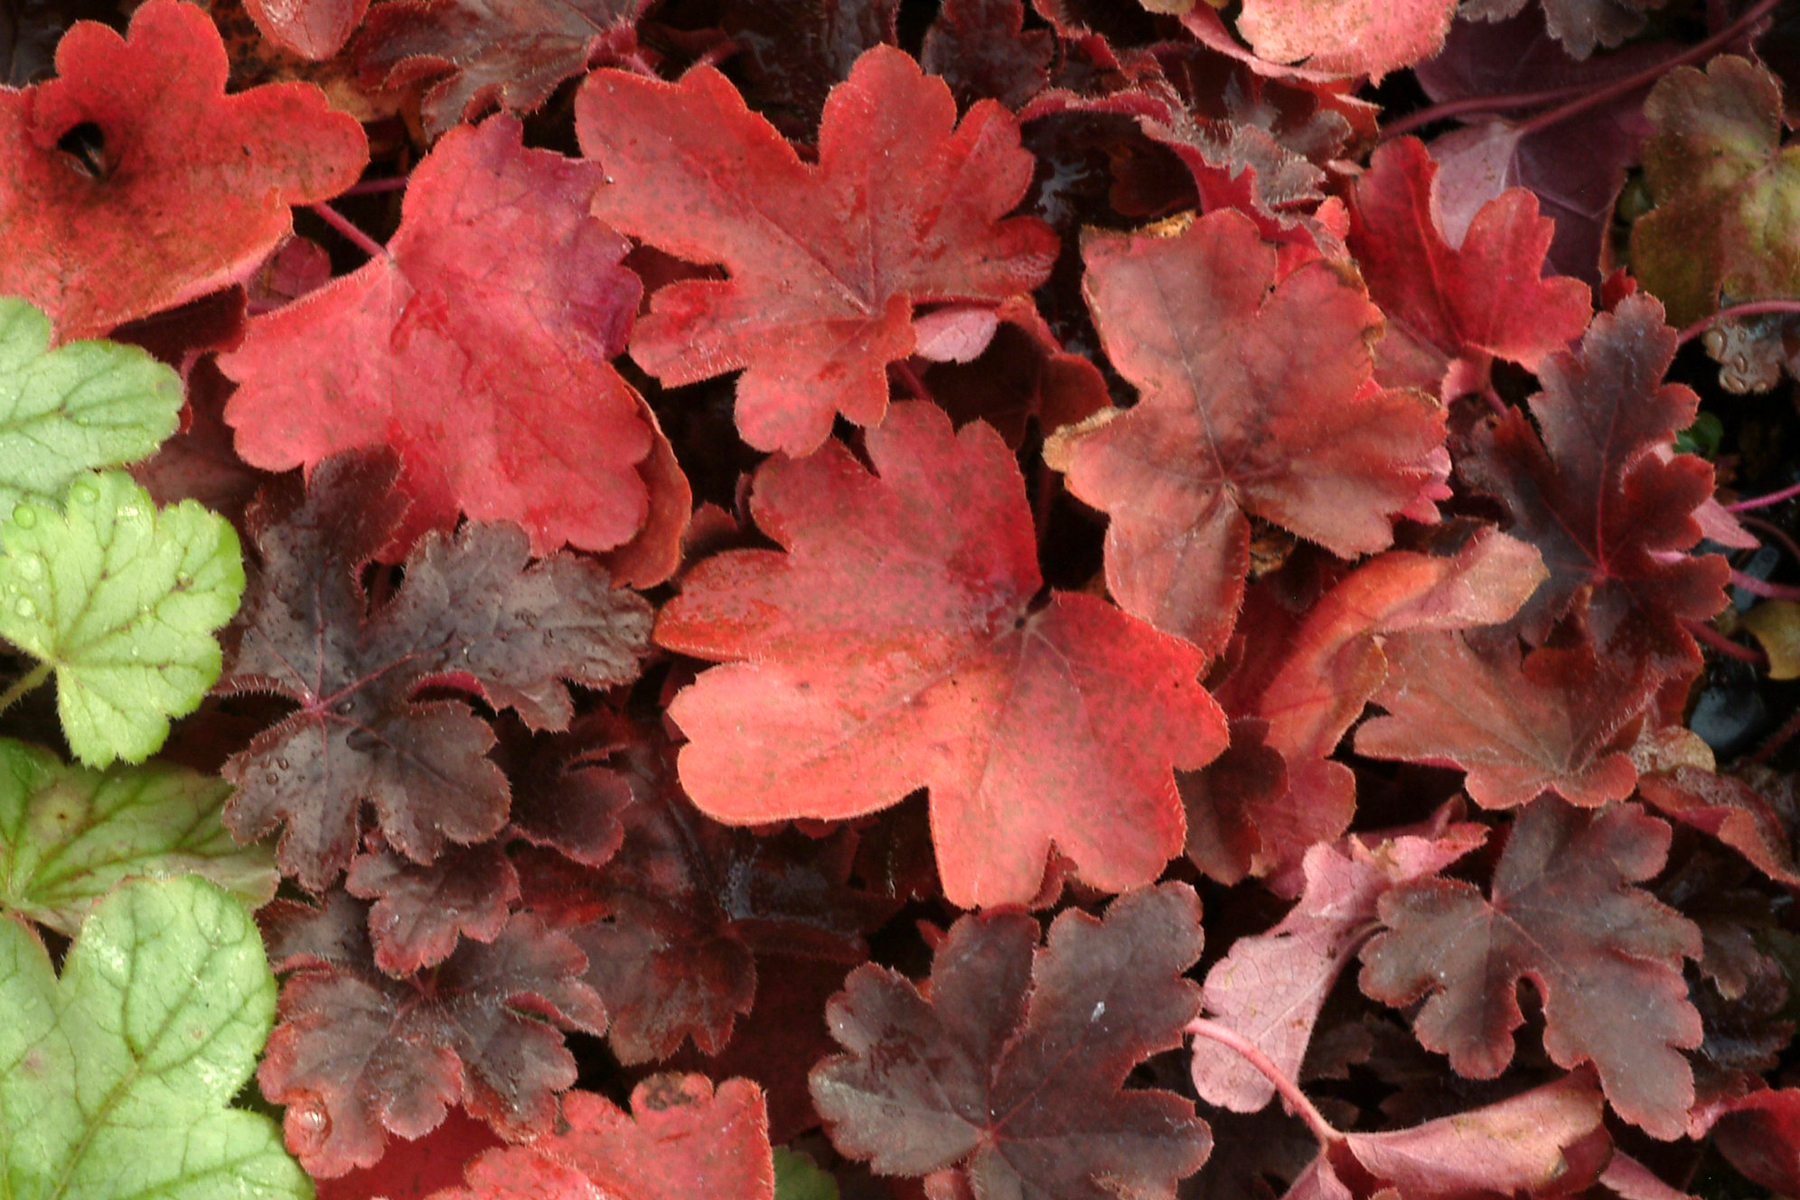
(1231, 422)
(826, 262)
(1578, 24)
(897, 644)
(359, 1054)
(1604, 956)
(1014, 1065)
(485, 369)
(117, 1079)
(192, 186)
(470, 611)
(1358, 37)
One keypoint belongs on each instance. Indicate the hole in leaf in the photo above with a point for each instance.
(86, 144)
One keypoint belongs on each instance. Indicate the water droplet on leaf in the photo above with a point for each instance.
(24, 516)
(85, 492)
(24, 607)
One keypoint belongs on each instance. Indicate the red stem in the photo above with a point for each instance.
(910, 377)
(1759, 587)
(1777, 740)
(1748, 308)
(1297, 1100)
(1711, 637)
(1786, 493)
(351, 233)
(1481, 104)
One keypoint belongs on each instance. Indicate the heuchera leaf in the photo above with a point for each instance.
(471, 612)
(1605, 958)
(1232, 422)
(1560, 719)
(1271, 986)
(1015, 1063)
(1727, 216)
(120, 599)
(314, 29)
(798, 1177)
(983, 51)
(1351, 37)
(825, 261)
(421, 911)
(1607, 511)
(195, 185)
(1481, 296)
(117, 1079)
(1760, 1136)
(485, 369)
(68, 835)
(476, 54)
(895, 644)
(359, 1053)
(681, 1141)
(1578, 24)
(73, 409)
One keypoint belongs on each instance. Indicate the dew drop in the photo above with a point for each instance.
(24, 516)
(31, 566)
(24, 607)
(271, 778)
(282, 763)
(84, 422)
(85, 492)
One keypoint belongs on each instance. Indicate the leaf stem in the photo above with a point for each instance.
(1712, 638)
(1763, 588)
(351, 233)
(24, 684)
(1297, 1100)
(1746, 309)
(1786, 493)
(915, 384)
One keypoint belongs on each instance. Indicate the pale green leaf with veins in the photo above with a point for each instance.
(73, 409)
(121, 600)
(69, 834)
(115, 1081)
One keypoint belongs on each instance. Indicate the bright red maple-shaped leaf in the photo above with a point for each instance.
(896, 644)
(1599, 497)
(1015, 1063)
(485, 368)
(480, 53)
(1484, 296)
(1547, 1141)
(682, 1141)
(359, 1054)
(1233, 420)
(193, 187)
(1604, 956)
(1560, 719)
(826, 261)
(470, 613)
(1270, 987)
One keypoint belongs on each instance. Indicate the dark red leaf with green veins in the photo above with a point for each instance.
(1232, 423)
(470, 612)
(1608, 513)
(1560, 719)
(1482, 295)
(485, 369)
(473, 55)
(1014, 1064)
(826, 262)
(682, 1141)
(1604, 956)
(359, 1054)
(897, 643)
(188, 189)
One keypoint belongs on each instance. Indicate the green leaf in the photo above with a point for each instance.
(68, 834)
(115, 1082)
(70, 410)
(797, 1177)
(121, 599)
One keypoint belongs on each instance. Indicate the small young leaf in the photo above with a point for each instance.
(798, 1177)
(73, 409)
(121, 599)
(116, 1081)
(68, 835)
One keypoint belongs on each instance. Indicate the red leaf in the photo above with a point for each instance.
(193, 186)
(420, 912)
(1604, 956)
(896, 645)
(485, 369)
(1560, 720)
(413, 1170)
(1015, 1062)
(683, 1141)
(1481, 296)
(1760, 1136)
(470, 611)
(1729, 809)
(1351, 37)
(1231, 422)
(477, 54)
(359, 1054)
(315, 29)
(826, 261)
(1270, 987)
(1607, 511)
